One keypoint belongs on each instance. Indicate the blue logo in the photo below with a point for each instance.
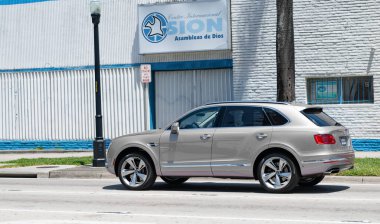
(155, 27)
(321, 89)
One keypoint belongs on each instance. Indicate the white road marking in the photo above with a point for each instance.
(190, 194)
(51, 221)
(225, 218)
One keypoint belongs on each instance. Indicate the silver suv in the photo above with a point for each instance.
(282, 145)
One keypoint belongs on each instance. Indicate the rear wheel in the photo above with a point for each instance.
(277, 173)
(136, 172)
(174, 180)
(311, 181)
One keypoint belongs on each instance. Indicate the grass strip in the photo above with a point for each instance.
(77, 161)
(364, 167)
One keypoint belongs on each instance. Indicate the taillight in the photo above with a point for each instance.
(324, 139)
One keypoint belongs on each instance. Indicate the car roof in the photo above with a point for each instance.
(297, 106)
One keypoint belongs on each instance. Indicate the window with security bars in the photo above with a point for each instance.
(340, 90)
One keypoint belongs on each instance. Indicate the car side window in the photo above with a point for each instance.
(275, 117)
(241, 116)
(203, 118)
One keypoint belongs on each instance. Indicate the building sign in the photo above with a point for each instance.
(327, 89)
(181, 27)
(146, 71)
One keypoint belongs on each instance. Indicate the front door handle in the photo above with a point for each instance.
(261, 136)
(205, 136)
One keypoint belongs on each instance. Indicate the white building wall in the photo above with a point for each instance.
(335, 38)
(44, 104)
(254, 49)
(60, 105)
(60, 34)
(332, 38)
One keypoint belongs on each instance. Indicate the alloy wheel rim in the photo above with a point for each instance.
(276, 173)
(134, 171)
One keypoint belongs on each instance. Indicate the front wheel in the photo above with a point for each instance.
(136, 172)
(311, 181)
(174, 180)
(277, 173)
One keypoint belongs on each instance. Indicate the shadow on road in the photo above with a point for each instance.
(233, 187)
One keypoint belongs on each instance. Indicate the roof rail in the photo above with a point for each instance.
(268, 102)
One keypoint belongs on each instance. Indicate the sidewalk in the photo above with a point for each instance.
(88, 172)
(367, 154)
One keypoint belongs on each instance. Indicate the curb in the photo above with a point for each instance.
(353, 179)
(31, 171)
(18, 175)
(82, 172)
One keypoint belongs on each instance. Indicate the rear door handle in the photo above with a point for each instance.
(205, 136)
(261, 136)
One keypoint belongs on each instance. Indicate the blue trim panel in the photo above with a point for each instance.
(366, 144)
(359, 144)
(192, 65)
(48, 145)
(16, 2)
(156, 66)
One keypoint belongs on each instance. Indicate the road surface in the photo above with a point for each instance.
(197, 201)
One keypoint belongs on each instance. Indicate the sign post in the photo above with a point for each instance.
(146, 78)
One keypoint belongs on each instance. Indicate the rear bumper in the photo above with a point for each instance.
(327, 164)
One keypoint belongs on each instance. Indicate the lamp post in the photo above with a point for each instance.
(99, 146)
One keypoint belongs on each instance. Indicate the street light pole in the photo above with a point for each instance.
(99, 146)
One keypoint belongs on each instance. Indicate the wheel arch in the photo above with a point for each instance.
(134, 149)
(274, 150)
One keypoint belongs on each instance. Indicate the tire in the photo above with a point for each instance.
(175, 180)
(135, 175)
(311, 181)
(274, 179)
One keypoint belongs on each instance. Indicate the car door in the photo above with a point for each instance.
(242, 131)
(188, 152)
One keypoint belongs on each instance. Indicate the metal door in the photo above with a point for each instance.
(179, 91)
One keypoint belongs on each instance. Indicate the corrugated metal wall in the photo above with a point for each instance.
(179, 91)
(60, 34)
(60, 105)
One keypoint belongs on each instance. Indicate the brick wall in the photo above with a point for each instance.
(335, 38)
(332, 38)
(254, 49)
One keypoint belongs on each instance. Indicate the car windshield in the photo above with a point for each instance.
(320, 118)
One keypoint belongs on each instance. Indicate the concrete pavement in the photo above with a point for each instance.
(375, 154)
(215, 201)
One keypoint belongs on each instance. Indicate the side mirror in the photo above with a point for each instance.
(175, 128)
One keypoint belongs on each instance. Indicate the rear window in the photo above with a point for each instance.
(320, 118)
(275, 117)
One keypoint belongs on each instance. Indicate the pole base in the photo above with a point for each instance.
(99, 153)
(98, 163)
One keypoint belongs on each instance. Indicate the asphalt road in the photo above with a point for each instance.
(211, 201)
